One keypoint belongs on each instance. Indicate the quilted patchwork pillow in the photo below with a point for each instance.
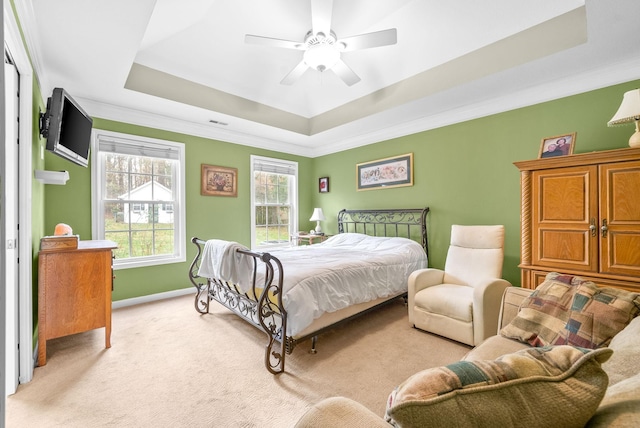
(558, 386)
(568, 310)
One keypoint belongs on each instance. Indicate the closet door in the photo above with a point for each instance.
(564, 218)
(620, 218)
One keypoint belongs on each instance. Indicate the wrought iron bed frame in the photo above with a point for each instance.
(262, 305)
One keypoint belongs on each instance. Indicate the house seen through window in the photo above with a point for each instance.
(139, 198)
(274, 202)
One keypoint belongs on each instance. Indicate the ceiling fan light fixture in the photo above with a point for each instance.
(321, 56)
(322, 49)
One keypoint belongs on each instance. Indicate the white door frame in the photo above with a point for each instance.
(10, 242)
(13, 42)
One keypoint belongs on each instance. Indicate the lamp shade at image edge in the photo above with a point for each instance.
(629, 111)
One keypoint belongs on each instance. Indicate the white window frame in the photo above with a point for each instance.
(293, 223)
(97, 195)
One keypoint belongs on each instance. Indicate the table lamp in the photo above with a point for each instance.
(317, 216)
(629, 111)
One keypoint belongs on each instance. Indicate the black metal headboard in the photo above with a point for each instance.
(407, 223)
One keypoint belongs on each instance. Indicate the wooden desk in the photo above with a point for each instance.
(74, 291)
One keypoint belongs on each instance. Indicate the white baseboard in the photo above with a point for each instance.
(152, 297)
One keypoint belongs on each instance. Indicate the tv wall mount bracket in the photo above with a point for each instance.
(43, 124)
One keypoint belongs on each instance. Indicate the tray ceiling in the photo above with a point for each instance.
(184, 66)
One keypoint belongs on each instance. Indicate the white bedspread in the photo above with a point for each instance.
(344, 270)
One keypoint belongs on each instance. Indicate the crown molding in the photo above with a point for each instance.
(152, 120)
(26, 19)
(590, 80)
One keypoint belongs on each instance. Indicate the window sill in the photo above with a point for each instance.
(146, 262)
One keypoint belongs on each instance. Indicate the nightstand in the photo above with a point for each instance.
(307, 238)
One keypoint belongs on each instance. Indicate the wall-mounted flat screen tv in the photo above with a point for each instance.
(67, 128)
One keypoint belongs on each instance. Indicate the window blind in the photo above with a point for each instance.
(274, 166)
(124, 147)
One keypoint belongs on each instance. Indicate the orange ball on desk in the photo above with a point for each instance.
(62, 229)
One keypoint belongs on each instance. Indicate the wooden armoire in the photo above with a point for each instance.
(581, 215)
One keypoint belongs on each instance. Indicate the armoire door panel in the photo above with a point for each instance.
(565, 208)
(565, 248)
(565, 198)
(620, 218)
(621, 254)
(621, 187)
(624, 256)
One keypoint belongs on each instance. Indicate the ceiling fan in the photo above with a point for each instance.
(322, 48)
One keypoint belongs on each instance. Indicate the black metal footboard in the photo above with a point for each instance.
(261, 306)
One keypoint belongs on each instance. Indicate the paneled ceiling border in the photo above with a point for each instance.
(555, 35)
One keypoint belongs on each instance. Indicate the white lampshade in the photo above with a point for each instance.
(317, 216)
(629, 111)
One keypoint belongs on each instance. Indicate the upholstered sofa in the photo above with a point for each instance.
(617, 405)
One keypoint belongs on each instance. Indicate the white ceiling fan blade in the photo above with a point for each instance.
(370, 40)
(321, 11)
(345, 73)
(277, 43)
(295, 74)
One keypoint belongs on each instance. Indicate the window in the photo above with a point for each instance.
(138, 198)
(274, 202)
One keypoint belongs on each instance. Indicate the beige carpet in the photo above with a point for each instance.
(171, 367)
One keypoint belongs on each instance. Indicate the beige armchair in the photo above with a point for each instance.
(462, 302)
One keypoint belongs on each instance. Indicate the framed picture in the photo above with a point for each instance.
(560, 145)
(323, 185)
(390, 172)
(219, 181)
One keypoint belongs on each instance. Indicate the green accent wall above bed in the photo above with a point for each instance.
(463, 172)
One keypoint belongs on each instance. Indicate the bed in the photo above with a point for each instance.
(294, 294)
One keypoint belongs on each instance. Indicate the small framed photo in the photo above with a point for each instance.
(323, 185)
(560, 145)
(219, 181)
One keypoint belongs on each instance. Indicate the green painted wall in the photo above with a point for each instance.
(207, 216)
(463, 172)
